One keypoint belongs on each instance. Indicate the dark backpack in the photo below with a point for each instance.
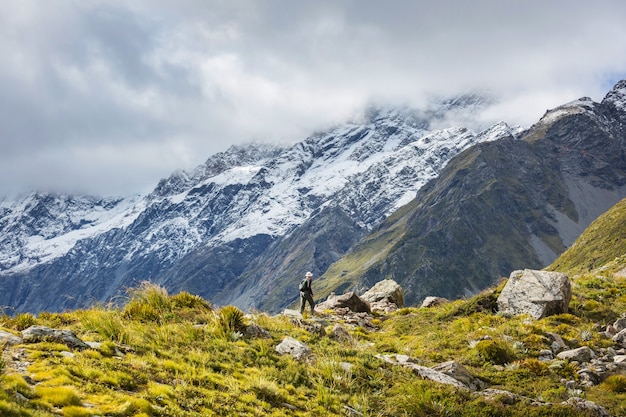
(303, 285)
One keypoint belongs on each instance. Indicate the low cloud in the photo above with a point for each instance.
(109, 97)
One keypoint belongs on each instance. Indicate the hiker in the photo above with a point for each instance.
(306, 293)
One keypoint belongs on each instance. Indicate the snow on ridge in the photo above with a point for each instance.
(38, 248)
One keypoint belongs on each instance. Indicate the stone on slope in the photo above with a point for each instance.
(9, 339)
(348, 300)
(295, 348)
(35, 334)
(536, 293)
(432, 301)
(385, 296)
(582, 354)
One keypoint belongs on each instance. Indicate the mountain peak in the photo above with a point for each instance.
(617, 96)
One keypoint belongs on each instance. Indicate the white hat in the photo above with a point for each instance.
(308, 274)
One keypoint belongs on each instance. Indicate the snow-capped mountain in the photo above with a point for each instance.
(216, 223)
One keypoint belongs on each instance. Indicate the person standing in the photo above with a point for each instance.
(306, 293)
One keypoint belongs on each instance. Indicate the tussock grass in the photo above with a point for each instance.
(174, 355)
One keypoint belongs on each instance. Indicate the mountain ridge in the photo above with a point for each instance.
(245, 199)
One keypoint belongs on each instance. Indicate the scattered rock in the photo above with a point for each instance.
(292, 313)
(588, 407)
(581, 355)
(340, 333)
(349, 300)
(256, 332)
(619, 325)
(620, 338)
(295, 348)
(432, 301)
(536, 293)
(557, 342)
(461, 374)
(35, 334)
(545, 355)
(423, 371)
(7, 338)
(386, 296)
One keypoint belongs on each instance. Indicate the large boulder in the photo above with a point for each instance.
(35, 334)
(385, 296)
(536, 293)
(298, 350)
(348, 300)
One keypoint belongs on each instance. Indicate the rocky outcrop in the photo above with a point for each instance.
(385, 296)
(298, 350)
(35, 334)
(350, 300)
(432, 301)
(536, 293)
(7, 338)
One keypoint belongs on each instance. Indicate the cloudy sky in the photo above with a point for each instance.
(107, 97)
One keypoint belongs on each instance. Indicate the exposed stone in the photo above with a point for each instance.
(292, 313)
(9, 338)
(620, 324)
(582, 354)
(295, 348)
(619, 359)
(256, 332)
(35, 334)
(314, 327)
(557, 344)
(349, 300)
(385, 296)
(620, 338)
(340, 333)
(545, 355)
(422, 371)
(461, 374)
(589, 407)
(432, 301)
(536, 293)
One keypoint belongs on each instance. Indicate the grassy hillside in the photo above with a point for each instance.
(175, 355)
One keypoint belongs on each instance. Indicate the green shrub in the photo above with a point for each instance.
(615, 383)
(187, 300)
(494, 352)
(148, 303)
(230, 320)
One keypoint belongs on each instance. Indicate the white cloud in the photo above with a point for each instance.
(110, 96)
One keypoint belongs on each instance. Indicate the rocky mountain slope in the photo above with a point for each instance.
(177, 355)
(500, 206)
(239, 228)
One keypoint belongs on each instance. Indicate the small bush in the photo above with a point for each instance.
(22, 321)
(148, 303)
(615, 383)
(494, 352)
(58, 396)
(187, 300)
(230, 320)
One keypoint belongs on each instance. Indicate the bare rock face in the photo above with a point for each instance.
(386, 296)
(298, 350)
(36, 334)
(536, 293)
(348, 300)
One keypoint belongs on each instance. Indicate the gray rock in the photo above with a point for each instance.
(461, 374)
(557, 344)
(545, 355)
(35, 334)
(422, 371)
(295, 348)
(256, 332)
(431, 301)
(589, 407)
(340, 333)
(9, 338)
(385, 296)
(620, 324)
(620, 338)
(536, 293)
(582, 354)
(349, 300)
